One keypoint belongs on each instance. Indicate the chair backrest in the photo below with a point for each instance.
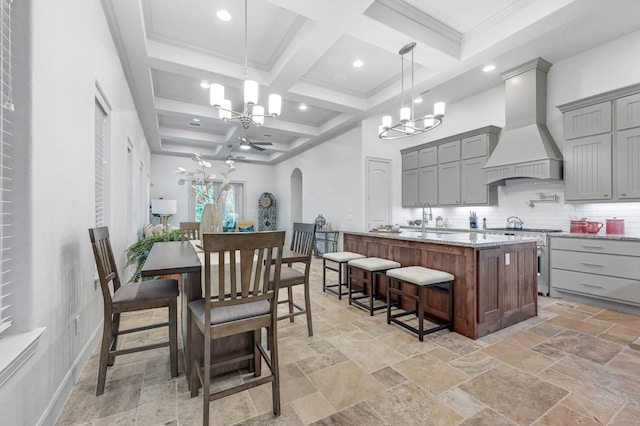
(242, 262)
(304, 238)
(106, 264)
(245, 226)
(189, 230)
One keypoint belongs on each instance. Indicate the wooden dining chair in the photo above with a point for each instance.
(189, 231)
(129, 298)
(303, 241)
(239, 298)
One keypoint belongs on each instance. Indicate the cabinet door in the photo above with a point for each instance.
(587, 168)
(428, 185)
(410, 160)
(472, 187)
(628, 112)
(428, 156)
(587, 121)
(410, 188)
(449, 184)
(474, 146)
(448, 152)
(628, 170)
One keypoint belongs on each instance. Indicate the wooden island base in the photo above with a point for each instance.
(495, 283)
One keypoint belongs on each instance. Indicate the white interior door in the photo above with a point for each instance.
(378, 192)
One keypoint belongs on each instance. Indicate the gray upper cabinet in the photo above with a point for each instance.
(587, 168)
(628, 112)
(410, 160)
(448, 172)
(587, 121)
(628, 170)
(602, 147)
(410, 188)
(448, 152)
(449, 184)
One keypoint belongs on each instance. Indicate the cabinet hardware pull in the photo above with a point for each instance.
(623, 194)
(591, 264)
(605, 195)
(593, 247)
(591, 285)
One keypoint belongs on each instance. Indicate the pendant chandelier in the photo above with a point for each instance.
(252, 113)
(409, 125)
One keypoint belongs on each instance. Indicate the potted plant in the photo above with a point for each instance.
(137, 252)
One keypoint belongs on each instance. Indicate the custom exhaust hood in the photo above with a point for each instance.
(525, 148)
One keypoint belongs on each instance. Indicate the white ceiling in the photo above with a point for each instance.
(304, 51)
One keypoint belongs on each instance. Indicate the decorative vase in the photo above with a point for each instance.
(211, 219)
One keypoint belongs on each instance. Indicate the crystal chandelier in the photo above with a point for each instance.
(252, 113)
(409, 125)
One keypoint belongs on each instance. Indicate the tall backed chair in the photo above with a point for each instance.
(303, 242)
(241, 299)
(189, 231)
(129, 298)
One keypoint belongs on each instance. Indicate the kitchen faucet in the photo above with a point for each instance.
(426, 217)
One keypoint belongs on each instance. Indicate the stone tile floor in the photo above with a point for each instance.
(570, 365)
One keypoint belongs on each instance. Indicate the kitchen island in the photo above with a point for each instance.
(495, 275)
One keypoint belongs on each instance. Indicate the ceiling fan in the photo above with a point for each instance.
(246, 144)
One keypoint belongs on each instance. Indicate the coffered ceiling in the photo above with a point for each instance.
(304, 50)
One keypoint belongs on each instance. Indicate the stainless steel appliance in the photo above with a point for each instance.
(542, 236)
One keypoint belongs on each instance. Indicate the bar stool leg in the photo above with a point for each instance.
(324, 275)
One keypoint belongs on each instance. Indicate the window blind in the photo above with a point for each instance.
(6, 167)
(100, 140)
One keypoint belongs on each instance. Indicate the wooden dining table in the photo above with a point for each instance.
(185, 258)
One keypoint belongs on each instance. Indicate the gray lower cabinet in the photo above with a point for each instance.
(410, 188)
(587, 168)
(598, 268)
(449, 184)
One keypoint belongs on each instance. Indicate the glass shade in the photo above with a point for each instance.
(405, 114)
(428, 121)
(258, 114)
(216, 94)
(160, 206)
(250, 92)
(275, 104)
(226, 105)
(438, 108)
(386, 121)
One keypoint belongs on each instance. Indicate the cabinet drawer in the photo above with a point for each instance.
(428, 156)
(587, 121)
(618, 289)
(594, 245)
(410, 160)
(474, 146)
(596, 263)
(449, 152)
(628, 112)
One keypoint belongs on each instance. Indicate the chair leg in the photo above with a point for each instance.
(257, 358)
(115, 329)
(206, 379)
(196, 354)
(290, 294)
(173, 336)
(307, 307)
(324, 275)
(349, 272)
(104, 355)
(275, 369)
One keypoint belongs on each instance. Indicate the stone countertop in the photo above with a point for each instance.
(599, 236)
(452, 238)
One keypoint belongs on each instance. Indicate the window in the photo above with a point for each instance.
(6, 166)
(233, 206)
(101, 156)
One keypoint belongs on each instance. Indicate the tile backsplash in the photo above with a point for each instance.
(513, 200)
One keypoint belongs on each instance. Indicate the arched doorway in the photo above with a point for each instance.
(296, 195)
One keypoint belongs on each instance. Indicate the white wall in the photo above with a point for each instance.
(71, 50)
(164, 183)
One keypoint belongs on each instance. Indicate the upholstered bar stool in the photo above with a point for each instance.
(367, 271)
(338, 262)
(413, 283)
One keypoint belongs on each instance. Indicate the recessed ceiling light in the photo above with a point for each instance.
(196, 119)
(358, 63)
(204, 84)
(223, 15)
(417, 100)
(489, 68)
(302, 107)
